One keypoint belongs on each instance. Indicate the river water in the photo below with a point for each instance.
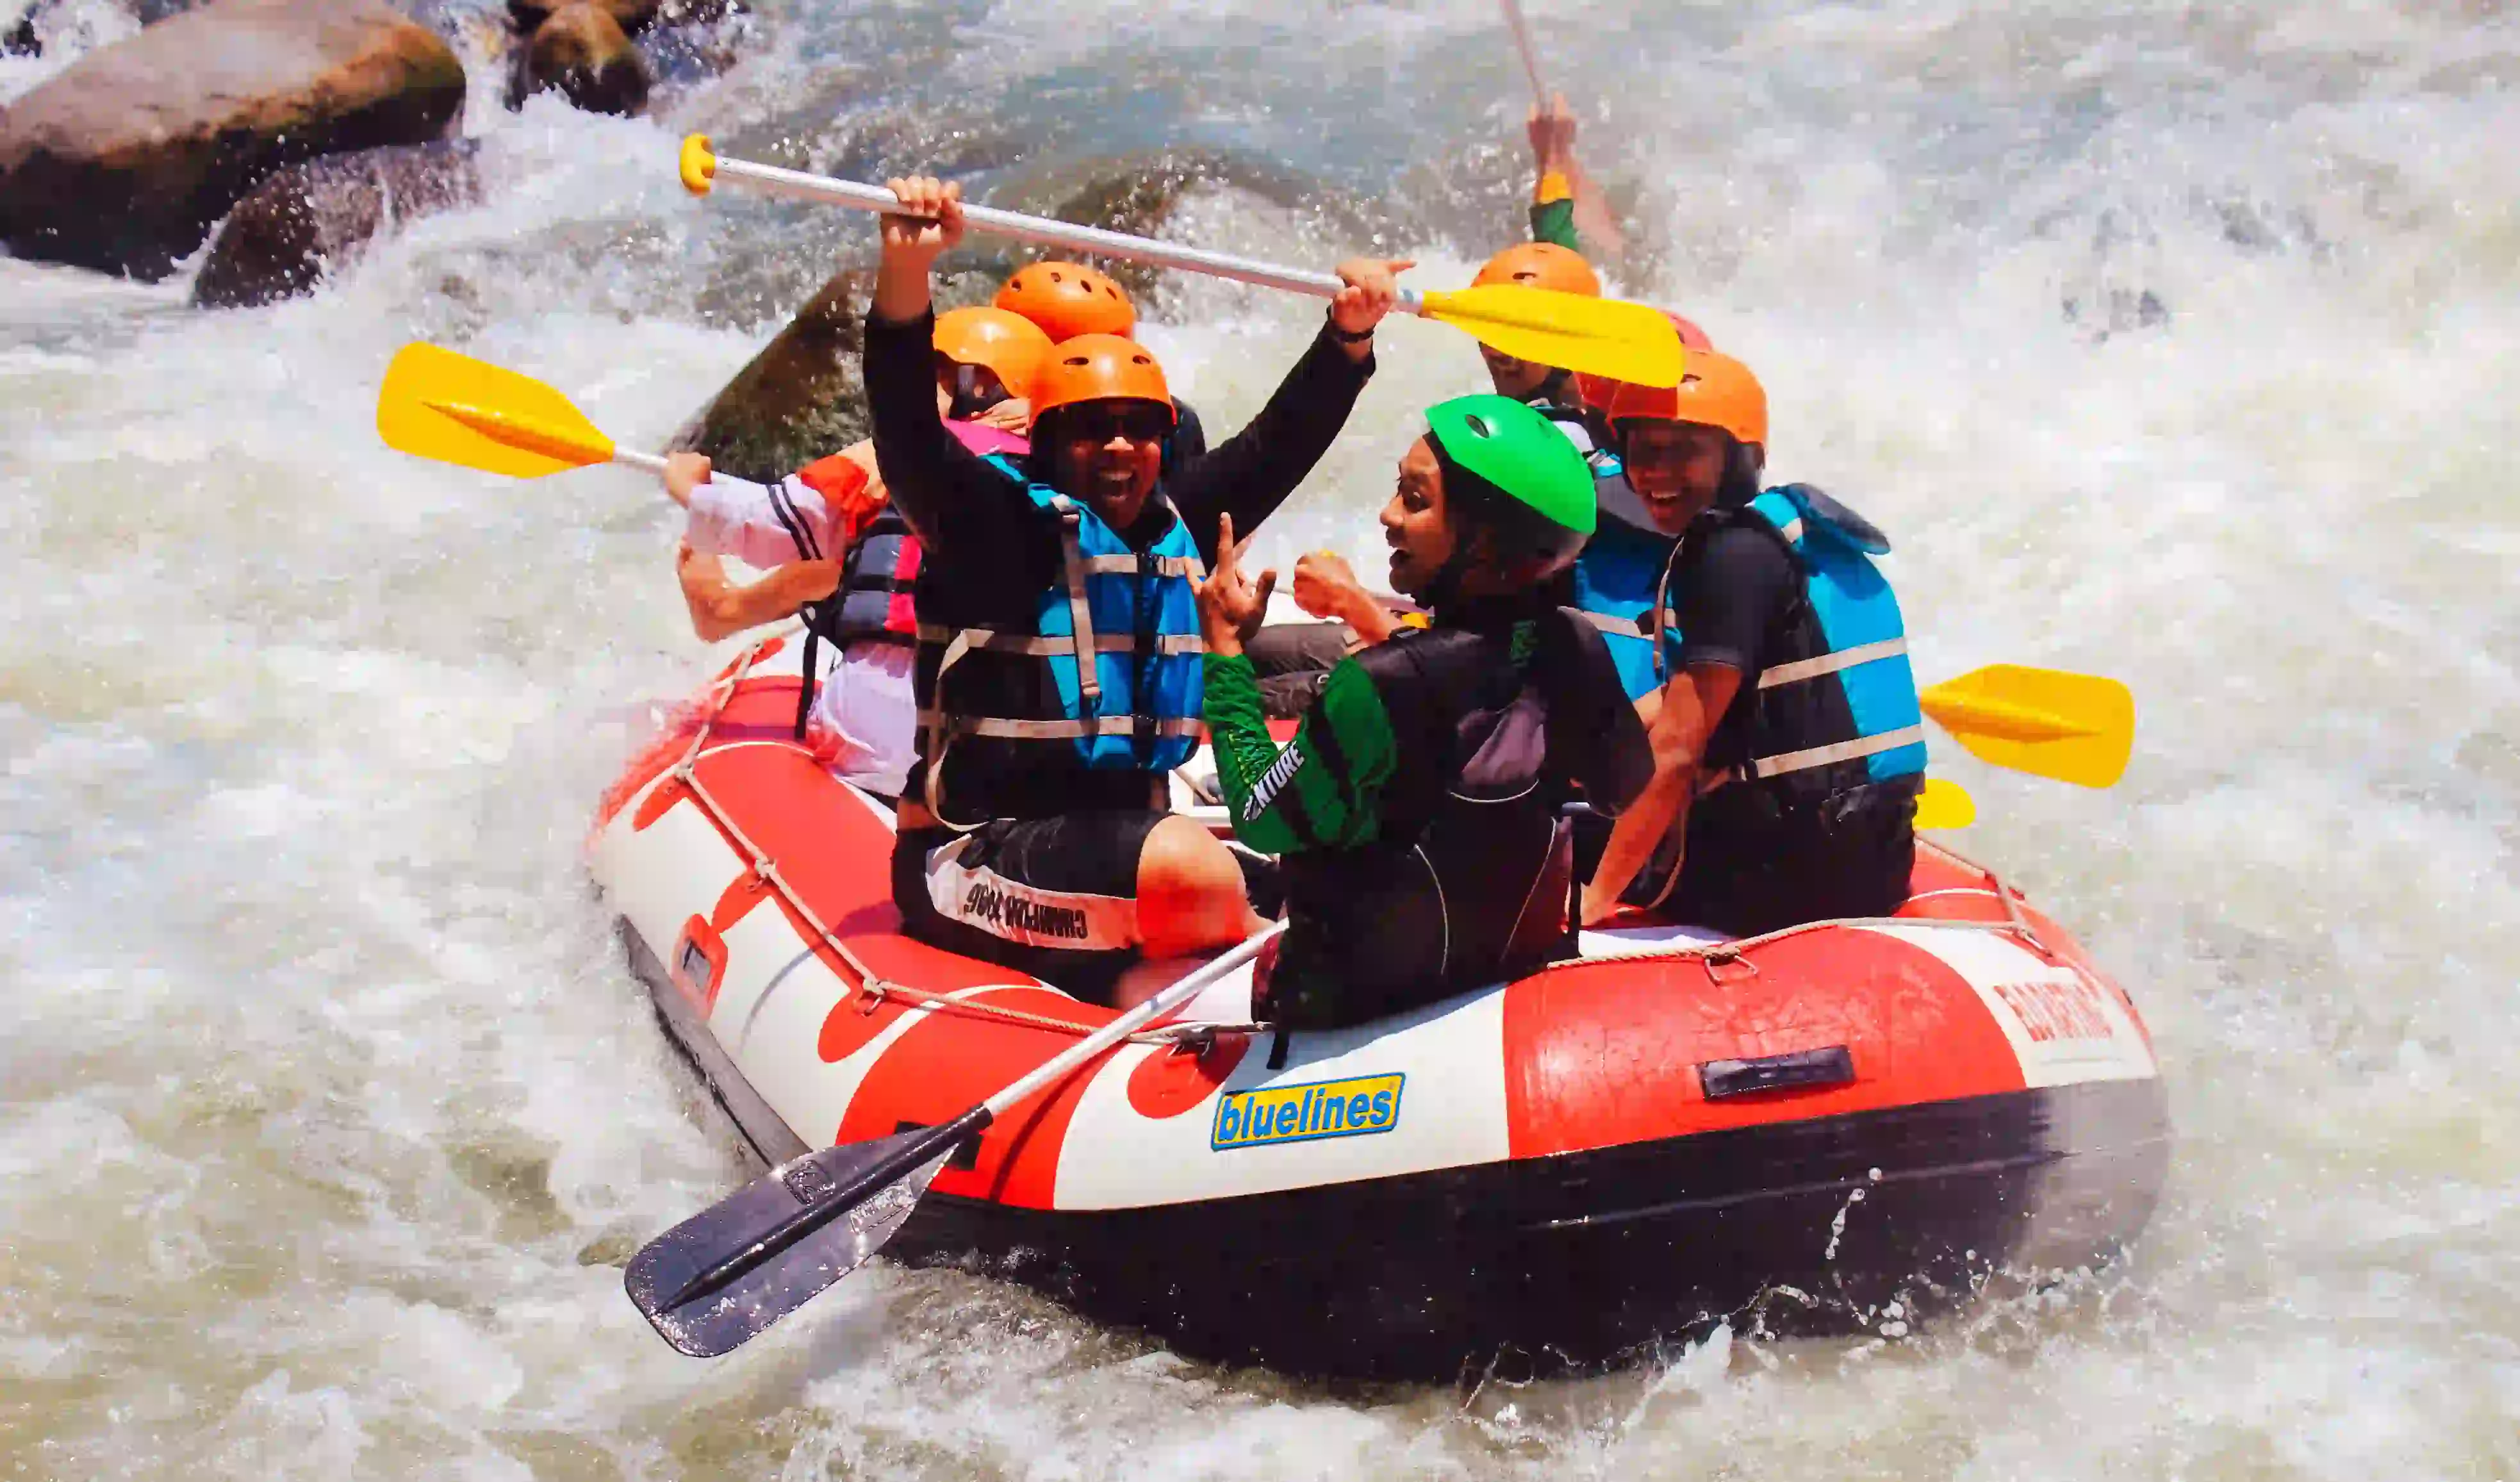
(2172, 342)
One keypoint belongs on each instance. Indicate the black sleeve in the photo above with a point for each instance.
(1255, 470)
(1593, 735)
(961, 508)
(1730, 593)
(1189, 437)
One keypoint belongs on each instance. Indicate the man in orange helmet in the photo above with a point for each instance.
(1788, 746)
(842, 556)
(1059, 662)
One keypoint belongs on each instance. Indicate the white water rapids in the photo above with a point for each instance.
(2170, 343)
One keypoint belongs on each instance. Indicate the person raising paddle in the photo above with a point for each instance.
(1057, 668)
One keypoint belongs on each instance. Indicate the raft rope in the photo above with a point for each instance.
(1197, 1035)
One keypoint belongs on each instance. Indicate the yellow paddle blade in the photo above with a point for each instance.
(2076, 728)
(454, 409)
(1599, 337)
(1945, 805)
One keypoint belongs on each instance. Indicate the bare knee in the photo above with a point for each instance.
(1189, 892)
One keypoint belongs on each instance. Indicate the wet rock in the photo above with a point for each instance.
(632, 15)
(123, 162)
(314, 216)
(799, 398)
(19, 40)
(582, 53)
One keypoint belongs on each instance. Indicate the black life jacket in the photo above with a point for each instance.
(1470, 878)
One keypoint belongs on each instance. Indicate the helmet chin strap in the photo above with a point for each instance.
(969, 400)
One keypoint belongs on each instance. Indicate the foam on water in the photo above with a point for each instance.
(2167, 343)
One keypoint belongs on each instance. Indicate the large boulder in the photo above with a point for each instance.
(800, 397)
(582, 53)
(796, 400)
(316, 216)
(124, 160)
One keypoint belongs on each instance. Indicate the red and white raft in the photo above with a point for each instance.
(1793, 1129)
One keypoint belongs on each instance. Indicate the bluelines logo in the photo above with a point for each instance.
(1343, 1109)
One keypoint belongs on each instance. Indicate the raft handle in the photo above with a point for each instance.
(1794, 1070)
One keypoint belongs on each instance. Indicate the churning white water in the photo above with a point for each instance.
(2172, 342)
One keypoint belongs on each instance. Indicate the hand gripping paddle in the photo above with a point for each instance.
(1599, 337)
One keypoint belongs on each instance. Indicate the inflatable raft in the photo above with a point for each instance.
(1664, 1131)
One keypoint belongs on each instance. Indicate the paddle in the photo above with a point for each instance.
(439, 405)
(1601, 337)
(1522, 43)
(2076, 728)
(714, 1282)
(1944, 804)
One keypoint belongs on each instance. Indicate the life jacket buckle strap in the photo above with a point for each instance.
(1080, 610)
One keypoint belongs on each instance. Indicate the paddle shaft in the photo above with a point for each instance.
(1522, 43)
(943, 1137)
(796, 185)
(646, 462)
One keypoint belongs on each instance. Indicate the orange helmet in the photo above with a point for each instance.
(1009, 345)
(1099, 368)
(1067, 299)
(1716, 391)
(1540, 265)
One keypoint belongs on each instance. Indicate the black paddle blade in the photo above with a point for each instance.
(712, 1283)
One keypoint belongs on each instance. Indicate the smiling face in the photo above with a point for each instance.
(1109, 454)
(1675, 467)
(1414, 522)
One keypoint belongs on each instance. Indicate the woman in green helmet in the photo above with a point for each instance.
(1418, 807)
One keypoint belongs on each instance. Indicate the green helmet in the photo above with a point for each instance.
(1527, 483)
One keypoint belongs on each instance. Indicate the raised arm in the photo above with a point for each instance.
(1251, 473)
(1566, 207)
(958, 504)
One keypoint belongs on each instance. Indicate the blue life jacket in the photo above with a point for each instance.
(1618, 584)
(1110, 667)
(1619, 576)
(1836, 706)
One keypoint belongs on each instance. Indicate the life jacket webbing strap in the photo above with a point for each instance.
(1665, 616)
(1080, 612)
(1132, 565)
(1000, 728)
(1830, 663)
(1622, 627)
(991, 641)
(1841, 752)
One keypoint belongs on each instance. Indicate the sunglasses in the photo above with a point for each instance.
(1099, 422)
